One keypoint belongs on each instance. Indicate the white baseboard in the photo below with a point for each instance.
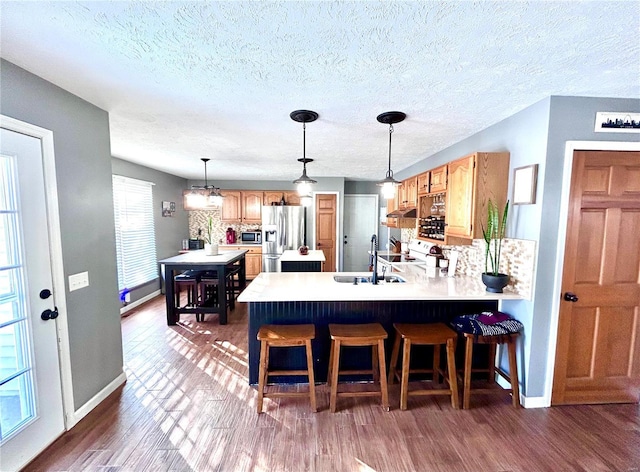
(137, 303)
(526, 402)
(84, 410)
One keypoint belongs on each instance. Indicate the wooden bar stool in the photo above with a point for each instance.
(369, 334)
(490, 328)
(436, 335)
(285, 336)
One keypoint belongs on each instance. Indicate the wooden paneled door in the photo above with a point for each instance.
(326, 229)
(598, 347)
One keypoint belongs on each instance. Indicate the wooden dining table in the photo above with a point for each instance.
(197, 260)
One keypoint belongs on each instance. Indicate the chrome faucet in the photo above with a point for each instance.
(374, 255)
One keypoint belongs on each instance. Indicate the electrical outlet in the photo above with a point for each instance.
(79, 280)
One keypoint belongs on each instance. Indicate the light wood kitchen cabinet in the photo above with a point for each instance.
(391, 206)
(423, 183)
(438, 179)
(252, 207)
(473, 181)
(408, 193)
(274, 197)
(241, 207)
(252, 259)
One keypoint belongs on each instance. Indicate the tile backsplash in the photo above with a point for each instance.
(198, 221)
(518, 260)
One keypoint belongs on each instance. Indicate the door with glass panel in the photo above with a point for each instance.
(31, 408)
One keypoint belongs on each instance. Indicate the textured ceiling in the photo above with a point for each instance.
(185, 80)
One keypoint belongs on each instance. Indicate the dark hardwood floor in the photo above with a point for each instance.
(187, 406)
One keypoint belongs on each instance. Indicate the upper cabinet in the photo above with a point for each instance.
(242, 206)
(423, 183)
(275, 197)
(473, 181)
(251, 207)
(408, 193)
(438, 179)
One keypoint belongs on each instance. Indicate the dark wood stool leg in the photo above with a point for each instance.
(262, 375)
(383, 376)
(334, 375)
(467, 373)
(394, 359)
(513, 374)
(451, 367)
(312, 378)
(404, 382)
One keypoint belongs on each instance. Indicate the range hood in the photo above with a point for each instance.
(405, 213)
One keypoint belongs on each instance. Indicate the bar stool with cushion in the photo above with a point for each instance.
(368, 334)
(285, 336)
(436, 335)
(492, 328)
(189, 280)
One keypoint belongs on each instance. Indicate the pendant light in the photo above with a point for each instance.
(304, 182)
(207, 195)
(389, 184)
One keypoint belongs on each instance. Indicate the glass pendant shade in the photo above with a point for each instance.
(205, 196)
(306, 200)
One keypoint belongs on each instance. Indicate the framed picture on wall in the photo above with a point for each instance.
(524, 185)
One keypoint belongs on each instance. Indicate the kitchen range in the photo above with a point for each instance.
(417, 256)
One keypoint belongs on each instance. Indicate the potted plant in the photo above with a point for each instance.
(493, 235)
(210, 249)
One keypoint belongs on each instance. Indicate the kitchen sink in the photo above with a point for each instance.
(358, 279)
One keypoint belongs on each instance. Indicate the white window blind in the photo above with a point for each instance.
(135, 234)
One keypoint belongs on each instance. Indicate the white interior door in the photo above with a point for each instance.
(360, 222)
(31, 407)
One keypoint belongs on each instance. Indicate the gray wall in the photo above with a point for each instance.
(170, 231)
(537, 135)
(83, 168)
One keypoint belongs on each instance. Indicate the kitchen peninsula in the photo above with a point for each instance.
(315, 297)
(293, 261)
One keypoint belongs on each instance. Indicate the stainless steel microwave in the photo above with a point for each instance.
(251, 237)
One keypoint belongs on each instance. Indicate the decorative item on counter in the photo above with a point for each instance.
(303, 250)
(453, 262)
(231, 236)
(493, 235)
(396, 246)
(210, 248)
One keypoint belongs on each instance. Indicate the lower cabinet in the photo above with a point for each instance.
(252, 259)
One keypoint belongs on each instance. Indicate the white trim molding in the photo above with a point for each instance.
(73, 418)
(137, 303)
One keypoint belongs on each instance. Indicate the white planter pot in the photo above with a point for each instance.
(210, 249)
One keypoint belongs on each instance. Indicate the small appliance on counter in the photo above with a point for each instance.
(196, 244)
(251, 237)
(231, 236)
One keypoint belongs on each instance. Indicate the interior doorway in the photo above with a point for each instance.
(360, 222)
(597, 355)
(326, 209)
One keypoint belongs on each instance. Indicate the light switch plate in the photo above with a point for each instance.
(79, 280)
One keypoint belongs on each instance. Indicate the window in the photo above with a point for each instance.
(135, 234)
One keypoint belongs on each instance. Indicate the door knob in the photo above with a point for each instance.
(49, 314)
(570, 297)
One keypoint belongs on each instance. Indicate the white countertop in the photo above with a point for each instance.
(320, 286)
(314, 255)
(199, 257)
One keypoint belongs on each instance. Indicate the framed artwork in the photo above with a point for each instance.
(168, 208)
(524, 185)
(610, 122)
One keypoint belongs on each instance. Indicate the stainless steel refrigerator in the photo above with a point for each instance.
(282, 229)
